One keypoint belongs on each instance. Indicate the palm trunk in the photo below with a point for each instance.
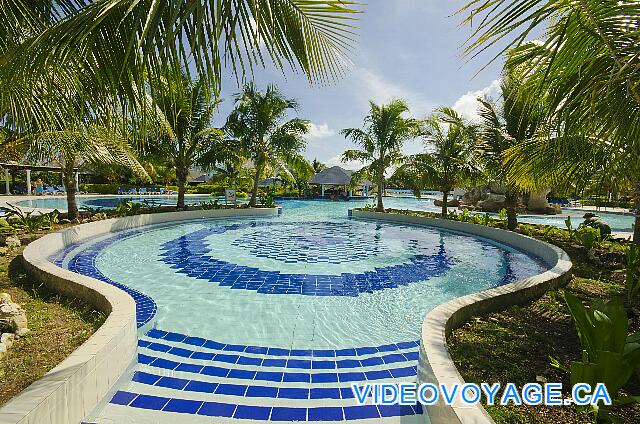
(512, 216)
(380, 207)
(445, 197)
(181, 175)
(636, 204)
(254, 192)
(70, 184)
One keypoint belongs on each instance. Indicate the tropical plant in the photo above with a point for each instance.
(632, 280)
(610, 354)
(588, 237)
(110, 43)
(300, 171)
(318, 166)
(128, 208)
(184, 113)
(386, 129)
(451, 159)
(28, 221)
(586, 67)
(514, 121)
(259, 124)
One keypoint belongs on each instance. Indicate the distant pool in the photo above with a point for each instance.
(618, 222)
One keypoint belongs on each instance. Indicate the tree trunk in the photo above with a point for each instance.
(636, 204)
(512, 216)
(70, 185)
(380, 207)
(181, 176)
(256, 183)
(445, 197)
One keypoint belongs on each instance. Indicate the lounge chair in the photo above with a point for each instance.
(143, 190)
(132, 190)
(161, 190)
(152, 190)
(122, 190)
(49, 190)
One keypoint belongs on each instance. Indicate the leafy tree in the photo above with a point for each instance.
(259, 123)
(300, 171)
(386, 129)
(451, 158)
(503, 126)
(183, 110)
(587, 67)
(318, 166)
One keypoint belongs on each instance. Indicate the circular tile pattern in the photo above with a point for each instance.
(319, 242)
(191, 255)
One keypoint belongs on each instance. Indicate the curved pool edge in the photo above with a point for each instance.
(435, 363)
(72, 389)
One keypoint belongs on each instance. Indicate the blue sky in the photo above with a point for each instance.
(408, 49)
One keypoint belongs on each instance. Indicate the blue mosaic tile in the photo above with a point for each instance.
(252, 412)
(149, 402)
(190, 255)
(123, 398)
(183, 406)
(217, 409)
(325, 414)
(360, 412)
(288, 414)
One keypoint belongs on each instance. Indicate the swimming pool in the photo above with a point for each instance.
(618, 222)
(273, 319)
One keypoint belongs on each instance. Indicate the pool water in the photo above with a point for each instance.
(621, 223)
(273, 319)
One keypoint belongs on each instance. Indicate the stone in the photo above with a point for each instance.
(12, 317)
(7, 339)
(5, 298)
(594, 221)
(21, 332)
(64, 221)
(453, 203)
(12, 241)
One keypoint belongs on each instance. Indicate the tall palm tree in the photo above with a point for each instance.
(318, 166)
(587, 65)
(259, 122)
(386, 129)
(513, 122)
(184, 110)
(451, 158)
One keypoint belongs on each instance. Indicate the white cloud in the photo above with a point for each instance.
(468, 105)
(337, 161)
(320, 131)
(371, 85)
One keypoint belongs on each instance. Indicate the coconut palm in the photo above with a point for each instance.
(300, 172)
(109, 43)
(451, 158)
(386, 129)
(184, 110)
(318, 166)
(587, 65)
(259, 122)
(503, 126)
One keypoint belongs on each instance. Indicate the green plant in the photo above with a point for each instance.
(632, 253)
(453, 215)
(128, 208)
(464, 216)
(29, 222)
(548, 231)
(502, 215)
(610, 354)
(487, 219)
(587, 236)
(266, 198)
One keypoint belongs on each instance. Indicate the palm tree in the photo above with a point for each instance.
(259, 122)
(587, 68)
(515, 121)
(386, 130)
(110, 43)
(318, 166)
(300, 171)
(184, 110)
(451, 159)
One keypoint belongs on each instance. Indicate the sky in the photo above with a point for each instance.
(409, 49)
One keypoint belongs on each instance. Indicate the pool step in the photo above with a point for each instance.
(207, 380)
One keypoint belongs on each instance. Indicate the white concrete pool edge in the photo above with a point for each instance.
(435, 364)
(72, 389)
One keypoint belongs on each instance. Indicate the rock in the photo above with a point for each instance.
(453, 203)
(12, 241)
(3, 350)
(5, 298)
(7, 339)
(12, 317)
(22, 332)
(64, 221)
(3, 250)
(594, 221)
